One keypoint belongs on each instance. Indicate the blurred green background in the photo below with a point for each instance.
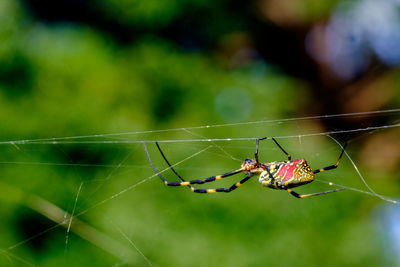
(112, 73)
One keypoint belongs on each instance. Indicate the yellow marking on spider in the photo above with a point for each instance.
(266, 183)
(272, 168)
(284, 175)
(279, 169)
(269, 174)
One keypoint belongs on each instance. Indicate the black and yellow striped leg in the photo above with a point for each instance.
(184, 182)
(202, 181)
(218, 190)
(332, 166)
(310, 195)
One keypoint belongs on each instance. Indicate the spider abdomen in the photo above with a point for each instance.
(286, 174)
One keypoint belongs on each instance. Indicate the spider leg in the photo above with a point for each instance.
(334, 166)
(184, 182)
(162, 154)
(151, 163)
(218, 190)
(310, 195)
(270, 176)
(202, 181)
(317, 171)
(256, 152)
(283, 150)
(298, 195)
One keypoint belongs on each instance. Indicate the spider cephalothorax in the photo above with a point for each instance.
(252, 167)
(276, 175)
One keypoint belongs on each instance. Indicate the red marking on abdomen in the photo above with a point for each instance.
(286, 172)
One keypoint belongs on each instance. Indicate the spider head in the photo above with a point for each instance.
(248, 165)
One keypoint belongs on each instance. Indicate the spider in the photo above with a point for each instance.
(282, 175)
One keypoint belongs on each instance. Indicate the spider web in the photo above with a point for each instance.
(201, 150)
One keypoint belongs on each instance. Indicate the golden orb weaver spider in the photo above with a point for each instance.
(276, 175)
